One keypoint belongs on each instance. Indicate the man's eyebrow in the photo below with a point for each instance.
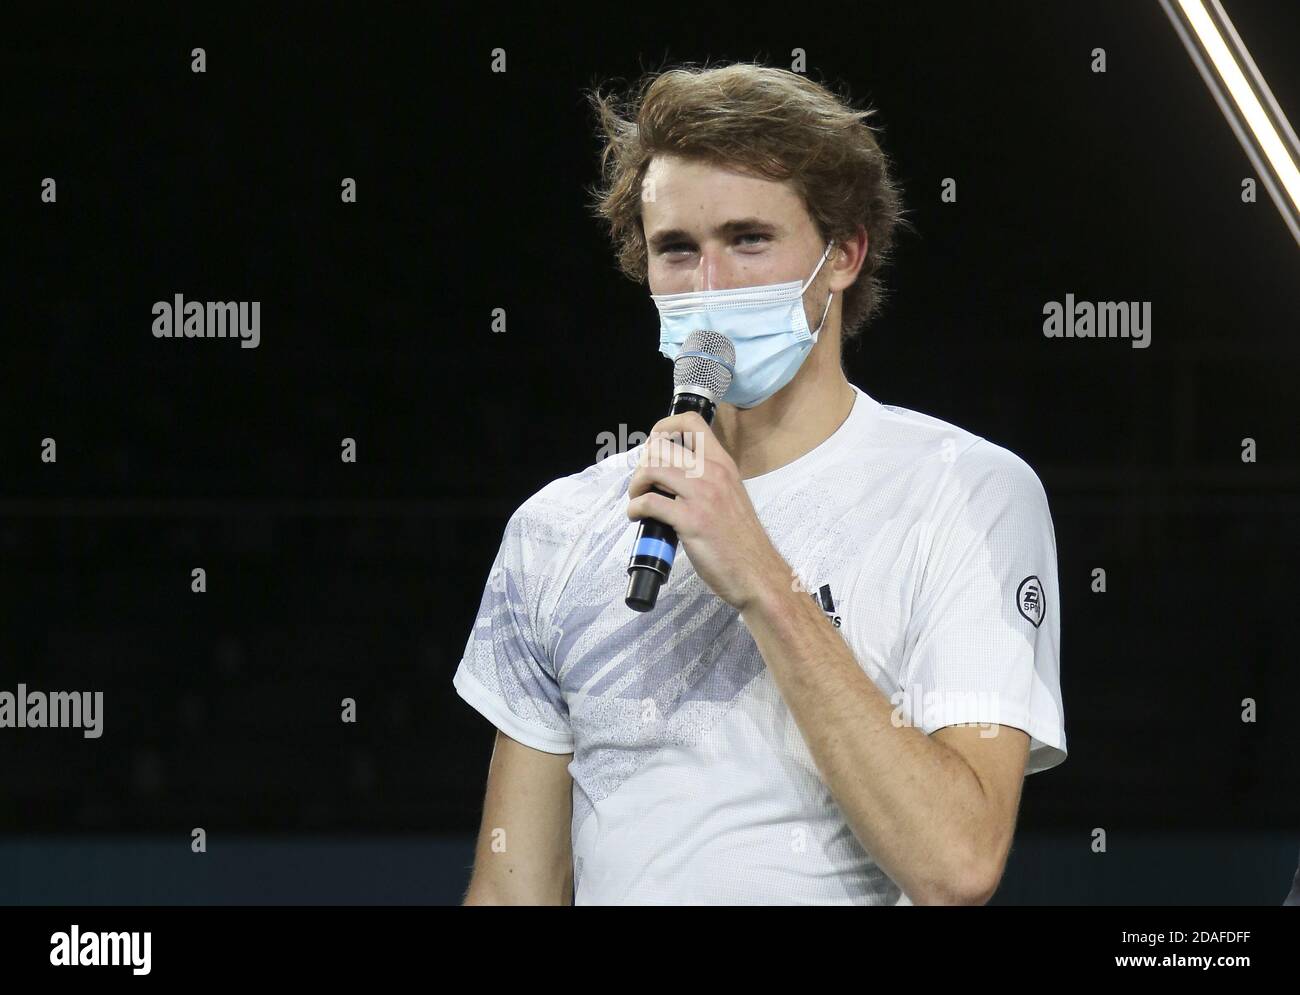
(733, 227)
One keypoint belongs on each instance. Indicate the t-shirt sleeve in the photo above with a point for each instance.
(505, 672)
(983, 640)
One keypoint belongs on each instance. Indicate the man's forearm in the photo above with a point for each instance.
(485, 890)
(915, 805)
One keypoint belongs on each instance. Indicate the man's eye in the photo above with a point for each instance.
(684, 247)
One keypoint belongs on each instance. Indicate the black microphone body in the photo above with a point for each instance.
(656, 543)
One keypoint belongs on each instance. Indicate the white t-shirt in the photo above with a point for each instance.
(930, 547)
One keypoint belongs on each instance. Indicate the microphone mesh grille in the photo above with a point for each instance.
(704, 365)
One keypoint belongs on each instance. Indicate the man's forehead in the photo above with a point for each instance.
(681, 191)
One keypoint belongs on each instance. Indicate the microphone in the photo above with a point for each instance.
(702, 373)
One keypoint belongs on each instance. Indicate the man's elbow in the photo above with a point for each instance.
(970, 882)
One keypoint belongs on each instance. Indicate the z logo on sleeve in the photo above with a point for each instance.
(1029, 600)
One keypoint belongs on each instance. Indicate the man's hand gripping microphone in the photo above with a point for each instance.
(702, 374)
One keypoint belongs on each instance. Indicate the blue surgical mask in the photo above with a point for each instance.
(766, 324)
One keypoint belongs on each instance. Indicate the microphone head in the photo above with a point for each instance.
(705, 365)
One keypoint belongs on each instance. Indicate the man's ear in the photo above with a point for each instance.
(861, 246)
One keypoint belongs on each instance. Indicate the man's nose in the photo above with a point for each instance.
(714, 272)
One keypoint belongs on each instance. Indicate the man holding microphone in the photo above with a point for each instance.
(855, 661)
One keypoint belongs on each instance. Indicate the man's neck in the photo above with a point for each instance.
(793, 421)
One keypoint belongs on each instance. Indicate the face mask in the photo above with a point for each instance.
(766, 324)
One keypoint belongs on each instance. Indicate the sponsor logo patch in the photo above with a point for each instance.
(1029, 601)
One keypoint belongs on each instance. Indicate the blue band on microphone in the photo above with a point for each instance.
(655, 547)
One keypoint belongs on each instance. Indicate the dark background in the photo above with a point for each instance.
(328, 580)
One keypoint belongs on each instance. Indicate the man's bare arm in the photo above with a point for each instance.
(524, 855)
(937, 813)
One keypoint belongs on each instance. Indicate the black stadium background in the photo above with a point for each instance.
(329, 580)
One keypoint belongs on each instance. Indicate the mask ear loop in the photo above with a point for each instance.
(829, 297)
(820, 262)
